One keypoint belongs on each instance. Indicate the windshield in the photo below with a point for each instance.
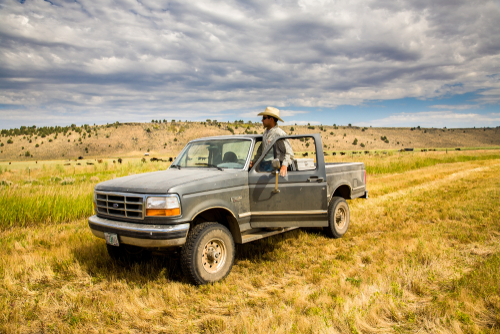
(222, 153)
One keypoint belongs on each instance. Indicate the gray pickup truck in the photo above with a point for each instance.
(209, 199)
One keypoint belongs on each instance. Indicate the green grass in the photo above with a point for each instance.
(406, 162)
(400, 162)
(53, 193)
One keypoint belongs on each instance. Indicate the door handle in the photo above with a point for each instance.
(315, 179)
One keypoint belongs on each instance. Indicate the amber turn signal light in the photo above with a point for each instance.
(163, 212)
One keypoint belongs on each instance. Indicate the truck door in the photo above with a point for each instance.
(302, 197)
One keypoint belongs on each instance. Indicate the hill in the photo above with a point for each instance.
(166, 139)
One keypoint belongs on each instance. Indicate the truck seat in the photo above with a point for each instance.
(230, 157)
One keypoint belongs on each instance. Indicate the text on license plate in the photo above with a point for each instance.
(111, 239)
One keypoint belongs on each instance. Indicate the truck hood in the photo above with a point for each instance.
(160, 182)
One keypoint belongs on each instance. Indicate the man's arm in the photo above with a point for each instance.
(286, 150)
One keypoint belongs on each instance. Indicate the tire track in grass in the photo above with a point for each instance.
(424, 186)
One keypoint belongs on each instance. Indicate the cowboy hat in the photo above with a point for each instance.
(273, 112)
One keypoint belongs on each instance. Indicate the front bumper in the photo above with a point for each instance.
(140, 234)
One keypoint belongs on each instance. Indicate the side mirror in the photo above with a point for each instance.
(276, 166)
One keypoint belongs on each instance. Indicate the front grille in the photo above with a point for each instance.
(120, 205)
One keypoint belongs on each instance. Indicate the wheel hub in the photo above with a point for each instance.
(340, 217)
(214, 255)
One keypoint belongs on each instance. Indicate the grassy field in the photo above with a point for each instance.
(421, 255)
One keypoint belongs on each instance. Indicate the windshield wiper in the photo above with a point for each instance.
(176, 166)
(219, 168)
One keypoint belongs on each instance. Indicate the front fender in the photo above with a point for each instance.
(230, 200)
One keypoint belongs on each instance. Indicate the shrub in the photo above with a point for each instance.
(27, 154)
(292, 129)
(120, 160)
(37, 145)
(175, 139)
(9, 141)
(355, 142)
(230, 129)
(362, 145)
(67, 181)
(331, 133)
(310, 127)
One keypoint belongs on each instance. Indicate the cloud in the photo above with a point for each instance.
(283, 113)
(454, 107)
(140, 58)
(436, 119)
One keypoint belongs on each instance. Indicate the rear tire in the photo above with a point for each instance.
(128, 253)
(208, 254)
(338, 218)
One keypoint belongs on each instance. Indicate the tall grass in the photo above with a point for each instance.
(396, 162)
(54, 193)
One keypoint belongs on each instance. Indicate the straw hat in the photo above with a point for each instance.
(271, 111)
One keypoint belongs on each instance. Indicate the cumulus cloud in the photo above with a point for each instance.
(86, 58)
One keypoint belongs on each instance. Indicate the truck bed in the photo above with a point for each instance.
(347, 177)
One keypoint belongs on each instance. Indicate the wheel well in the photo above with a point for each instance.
(221, 216)
(343, 191)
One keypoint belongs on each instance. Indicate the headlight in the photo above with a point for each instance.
(163, 206)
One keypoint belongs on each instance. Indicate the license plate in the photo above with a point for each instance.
(111, 239)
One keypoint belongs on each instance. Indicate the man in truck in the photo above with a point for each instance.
(284, 151)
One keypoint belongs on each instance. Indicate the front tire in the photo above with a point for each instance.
(208, 254)
(338, 218)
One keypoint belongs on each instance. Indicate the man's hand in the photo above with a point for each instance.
(251, 164)
(283, 171)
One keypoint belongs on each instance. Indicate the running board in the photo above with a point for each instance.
(263, 233)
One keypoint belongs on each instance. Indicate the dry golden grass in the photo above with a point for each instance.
(421, 255)
(167, 139)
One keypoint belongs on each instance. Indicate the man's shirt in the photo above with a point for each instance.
(284, 149)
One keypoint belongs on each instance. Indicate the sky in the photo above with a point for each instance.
(381, 63)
